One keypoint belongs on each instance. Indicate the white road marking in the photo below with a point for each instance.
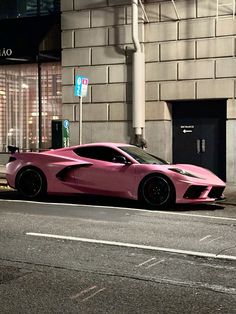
(212, 240)
(154, 264)
(215, 239)
(124, 208)
(92, 295)
(149, 260)
(131, 245)
(208, 236)
(82, 292)
(151, 265)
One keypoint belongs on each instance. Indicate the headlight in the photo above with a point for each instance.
(184, 172)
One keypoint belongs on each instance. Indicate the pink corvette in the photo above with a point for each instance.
(111, 169)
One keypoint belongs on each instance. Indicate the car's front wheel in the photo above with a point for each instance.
(157, 191)
(31, 183)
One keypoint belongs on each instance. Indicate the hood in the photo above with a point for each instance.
(200, 172)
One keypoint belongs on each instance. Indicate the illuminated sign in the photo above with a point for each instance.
(81, 86)
(5, 52)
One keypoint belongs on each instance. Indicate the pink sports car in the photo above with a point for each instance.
(111, 169)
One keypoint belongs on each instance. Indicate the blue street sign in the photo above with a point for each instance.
(81, 86)
(66, 124)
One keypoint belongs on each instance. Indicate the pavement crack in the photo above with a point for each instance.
(158, 279)
(224, 250)
(9, 273)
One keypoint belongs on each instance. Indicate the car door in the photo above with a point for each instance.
(105, 176)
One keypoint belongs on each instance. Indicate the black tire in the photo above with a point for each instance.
(31, 183)
(157, 191)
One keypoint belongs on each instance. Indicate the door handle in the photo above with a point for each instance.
(203, 145)
(198, 146)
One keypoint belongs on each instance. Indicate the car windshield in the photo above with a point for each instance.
(142, 156)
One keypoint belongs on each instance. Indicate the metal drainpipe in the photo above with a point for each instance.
(138, 87)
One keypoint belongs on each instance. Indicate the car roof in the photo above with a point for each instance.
(105, 144)
(109, 144)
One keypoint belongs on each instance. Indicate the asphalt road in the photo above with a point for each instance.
(57, 257)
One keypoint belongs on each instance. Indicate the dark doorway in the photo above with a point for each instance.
(199, 134)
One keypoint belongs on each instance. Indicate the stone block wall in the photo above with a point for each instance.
(95, 42)
(193, 57)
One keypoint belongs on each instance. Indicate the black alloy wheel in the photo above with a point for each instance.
(157, 192)
(31, 183)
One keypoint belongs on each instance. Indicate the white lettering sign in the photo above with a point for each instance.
(187, 131)
(5, 52)
(187, 126)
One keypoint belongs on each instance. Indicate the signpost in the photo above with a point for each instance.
(81, 89)
(66, 133)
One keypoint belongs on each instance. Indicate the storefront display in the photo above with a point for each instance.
(19, 110)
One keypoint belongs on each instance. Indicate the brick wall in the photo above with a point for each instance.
(190, 58)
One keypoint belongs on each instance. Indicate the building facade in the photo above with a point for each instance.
(190, 70)
(30, 72)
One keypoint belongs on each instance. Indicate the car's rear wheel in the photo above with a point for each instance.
(157, 191)
(31, 183)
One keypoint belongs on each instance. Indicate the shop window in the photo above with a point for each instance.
(48, 7)
(19, 104)
(24, 8)
(8, 8)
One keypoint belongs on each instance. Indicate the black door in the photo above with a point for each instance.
(199, 135)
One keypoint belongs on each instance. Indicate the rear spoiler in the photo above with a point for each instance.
(13, 149)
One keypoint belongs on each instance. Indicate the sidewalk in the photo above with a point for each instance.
(3, 182)
(230, 190)
(2, 172)
(230, 194)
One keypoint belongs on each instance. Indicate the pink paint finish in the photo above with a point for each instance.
(111, 169)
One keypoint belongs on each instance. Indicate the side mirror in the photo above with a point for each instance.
(120, 160)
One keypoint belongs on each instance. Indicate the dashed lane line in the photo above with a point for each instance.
(136, 246)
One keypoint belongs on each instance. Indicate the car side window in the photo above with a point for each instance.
(99, 153)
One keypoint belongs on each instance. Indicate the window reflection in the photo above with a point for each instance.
(19, 114)
(51, 99)
(24, 8)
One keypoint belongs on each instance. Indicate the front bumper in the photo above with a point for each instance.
(197, 193)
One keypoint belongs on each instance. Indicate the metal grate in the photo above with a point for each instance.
(216, 192)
